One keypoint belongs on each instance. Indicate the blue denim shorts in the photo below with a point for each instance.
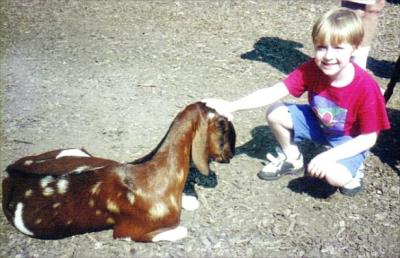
(307, 126)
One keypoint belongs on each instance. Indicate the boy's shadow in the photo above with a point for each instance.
(263, 142)
(381, 68)
(388, 146)
(279, 53)
(285, 56)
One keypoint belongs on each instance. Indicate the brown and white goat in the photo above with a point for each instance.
(66, 192)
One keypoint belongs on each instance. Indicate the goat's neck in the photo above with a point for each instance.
(178, 145)
(175, 151)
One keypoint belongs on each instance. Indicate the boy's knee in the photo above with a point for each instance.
(275, 112)
(338, 175)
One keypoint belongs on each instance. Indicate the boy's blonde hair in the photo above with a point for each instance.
(338, 26)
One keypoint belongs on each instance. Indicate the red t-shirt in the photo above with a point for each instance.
(358, 108)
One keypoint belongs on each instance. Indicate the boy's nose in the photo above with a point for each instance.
(328, 53)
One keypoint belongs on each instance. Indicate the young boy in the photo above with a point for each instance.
(346, 109)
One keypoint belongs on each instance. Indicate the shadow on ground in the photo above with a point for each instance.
(381, 68)
(197, 178)
(388, 145)
(263, 142)
(284, 55)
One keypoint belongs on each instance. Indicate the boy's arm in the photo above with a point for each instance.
(348, 149)
(353, 147)
(259, 98)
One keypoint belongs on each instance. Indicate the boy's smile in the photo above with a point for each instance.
(334, 60)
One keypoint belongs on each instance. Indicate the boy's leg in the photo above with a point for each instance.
(289, 124)
(338, 175)
(346, 174)
(370, 21)
(281, 125)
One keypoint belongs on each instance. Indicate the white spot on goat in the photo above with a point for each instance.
(56, 205)
(80, 169)
(18, 220)
(28, 162)
(141, 193)
(189, 202)
(180, 175)
(48, 191)
(44, 182)
(96, 188)
(62, 186)
(112, 206)
(110, 221)
(158, 210)
(171, 235)
(131, 198)
(211, 115)
(91, 202)
(73, 153)
(173, 201)
(28, 193)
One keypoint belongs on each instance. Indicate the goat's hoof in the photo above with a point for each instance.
(189, 202)
(171, 235)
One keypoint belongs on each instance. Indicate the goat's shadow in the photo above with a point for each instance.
(197, 178)
(281, 54)
(387, 148)
(263, 142)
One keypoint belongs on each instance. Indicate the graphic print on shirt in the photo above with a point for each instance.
(331, 116)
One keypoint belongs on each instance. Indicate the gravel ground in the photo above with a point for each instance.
(111, 75)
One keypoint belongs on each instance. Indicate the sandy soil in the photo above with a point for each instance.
(111, 75)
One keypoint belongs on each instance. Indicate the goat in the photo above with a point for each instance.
(67, 192)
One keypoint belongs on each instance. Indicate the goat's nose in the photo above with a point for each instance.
(224, 161)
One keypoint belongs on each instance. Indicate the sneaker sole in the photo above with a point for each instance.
(350, 192)
(262, 175)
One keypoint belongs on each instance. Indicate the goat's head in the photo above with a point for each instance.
(215, 139)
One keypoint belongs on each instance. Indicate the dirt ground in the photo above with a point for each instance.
(111, 75)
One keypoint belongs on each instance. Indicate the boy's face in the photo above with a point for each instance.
(332, 60)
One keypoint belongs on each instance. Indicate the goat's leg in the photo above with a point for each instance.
(189, 202)
(174, 234)
(126, 229)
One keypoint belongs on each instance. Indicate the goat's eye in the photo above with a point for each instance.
(221, 142)
(221, 126)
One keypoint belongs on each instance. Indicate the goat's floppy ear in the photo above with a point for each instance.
(200, 149)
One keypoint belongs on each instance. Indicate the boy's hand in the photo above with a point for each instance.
(319, 164)
(222, 107)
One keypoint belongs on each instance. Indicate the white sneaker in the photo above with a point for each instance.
(279, 166)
